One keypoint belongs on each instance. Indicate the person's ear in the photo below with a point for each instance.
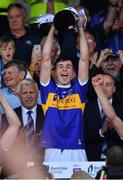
(14, 50)
(74, 74)
(0, 51)
(22, 75)
(114, 89)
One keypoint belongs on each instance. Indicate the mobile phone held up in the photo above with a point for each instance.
(37, 49)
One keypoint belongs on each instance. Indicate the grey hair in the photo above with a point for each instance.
(27, 82)
(18, 6)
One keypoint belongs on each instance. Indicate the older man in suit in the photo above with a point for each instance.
(28, 95)
(30, 113)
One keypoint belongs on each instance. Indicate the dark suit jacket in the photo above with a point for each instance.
(18, 110)
(39, 117)
(92, 123)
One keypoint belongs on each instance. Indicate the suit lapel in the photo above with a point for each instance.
(39, 121)
(19, 113)
(97, 112)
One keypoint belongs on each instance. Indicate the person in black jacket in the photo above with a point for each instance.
(28, 95)
(97, 130)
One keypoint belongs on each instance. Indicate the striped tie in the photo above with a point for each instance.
(30, 125)
(104, 143)
(29, 134)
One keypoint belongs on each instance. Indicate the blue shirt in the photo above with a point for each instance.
(63, 109)
(98, 18)
(12, 99)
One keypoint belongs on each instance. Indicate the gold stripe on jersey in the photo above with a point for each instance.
(70, 102)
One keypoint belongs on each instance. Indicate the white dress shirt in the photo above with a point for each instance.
(100, 109)
(25, 115)
(99, 104)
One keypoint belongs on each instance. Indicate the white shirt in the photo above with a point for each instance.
(100, 108)
(25, 115)
(99, 104)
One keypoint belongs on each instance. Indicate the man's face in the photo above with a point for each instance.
(108, 86)
(111, 66)
(12, 76)
(64, 72)
(7, 52)
(16, 19)
(28, 95)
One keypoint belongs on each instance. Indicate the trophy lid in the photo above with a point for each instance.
(64, 20)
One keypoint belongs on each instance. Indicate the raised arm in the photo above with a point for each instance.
(84, 53)
(9, 136)
(97, 83)
(50, 7)
(112, 12)
(45, 65)
(117, 123)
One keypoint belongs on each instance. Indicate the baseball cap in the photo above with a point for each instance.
(112, 57)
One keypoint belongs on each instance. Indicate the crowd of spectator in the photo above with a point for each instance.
(61, 89)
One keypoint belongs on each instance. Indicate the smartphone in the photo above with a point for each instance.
(37, 48)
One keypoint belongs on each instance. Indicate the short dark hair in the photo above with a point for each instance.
(4, 40)
(62, 59)
(107, 74)
(17, 63)
(115, 156)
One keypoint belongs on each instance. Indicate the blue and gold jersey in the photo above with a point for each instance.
(63, 108)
